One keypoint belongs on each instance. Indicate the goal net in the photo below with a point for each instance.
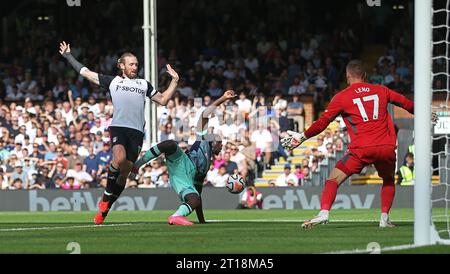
(440, 194)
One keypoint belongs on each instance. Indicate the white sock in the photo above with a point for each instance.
(384, 216)
(324, 212)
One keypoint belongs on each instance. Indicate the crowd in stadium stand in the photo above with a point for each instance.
(54, 123)
(394, 68)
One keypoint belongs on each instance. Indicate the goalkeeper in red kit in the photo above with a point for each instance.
(363, 107)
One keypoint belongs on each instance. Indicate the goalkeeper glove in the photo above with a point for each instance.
(294, 140)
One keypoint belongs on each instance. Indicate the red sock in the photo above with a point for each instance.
(387, 196)
(328, 194)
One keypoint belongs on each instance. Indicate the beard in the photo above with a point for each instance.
(130, 74)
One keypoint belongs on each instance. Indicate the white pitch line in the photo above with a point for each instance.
(299, 221)
(365, 251)
(211, 221)
(60, 227)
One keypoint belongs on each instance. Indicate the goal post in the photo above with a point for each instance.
(431, 93)
(422, 119)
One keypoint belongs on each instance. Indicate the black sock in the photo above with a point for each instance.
(112, 190)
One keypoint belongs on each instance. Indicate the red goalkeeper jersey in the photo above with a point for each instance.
(363, 107)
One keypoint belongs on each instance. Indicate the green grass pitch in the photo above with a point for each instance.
(227, 232)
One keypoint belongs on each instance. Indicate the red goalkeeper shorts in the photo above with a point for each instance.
(382, 157)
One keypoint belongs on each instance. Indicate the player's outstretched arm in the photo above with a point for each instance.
(403, 102)
(64, 50)
(163, 98)
(400, 101)
(295, 139)
(203, 121)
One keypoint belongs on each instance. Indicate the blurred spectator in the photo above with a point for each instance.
(69, 183)
(298, 172)
(237, 157)
(167, 133)
(51, 152)
(244, 104)
(9, 164)
(375, 77)
(83, 149)
(4, 182)
(91, 164)
(4, 153)
(104, 180)
(185, 90)
(82, 179)
(403, 70)
(262, 140)
(58, 171)
(29, 166)
(230, 166)
(97, 127)
(130, 183)
(305, 179)
(321, 146)
(251, 198)
(17, 184)
(20, 174)
(314, 165)
(214, 90)
(57, 183)
(397, 84)
(272, 183)
(287, 178)
(35, 183)
(164, 180)
(330, 150)
(320, 81)
(218, 177)
(43, 179)
(218, 161)
(406, 173)
(295, 112)
(390, 77)
(61, 159)
(104, 156)
(74, 157)
(147, 182)
(18, 150)
(35, 154)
